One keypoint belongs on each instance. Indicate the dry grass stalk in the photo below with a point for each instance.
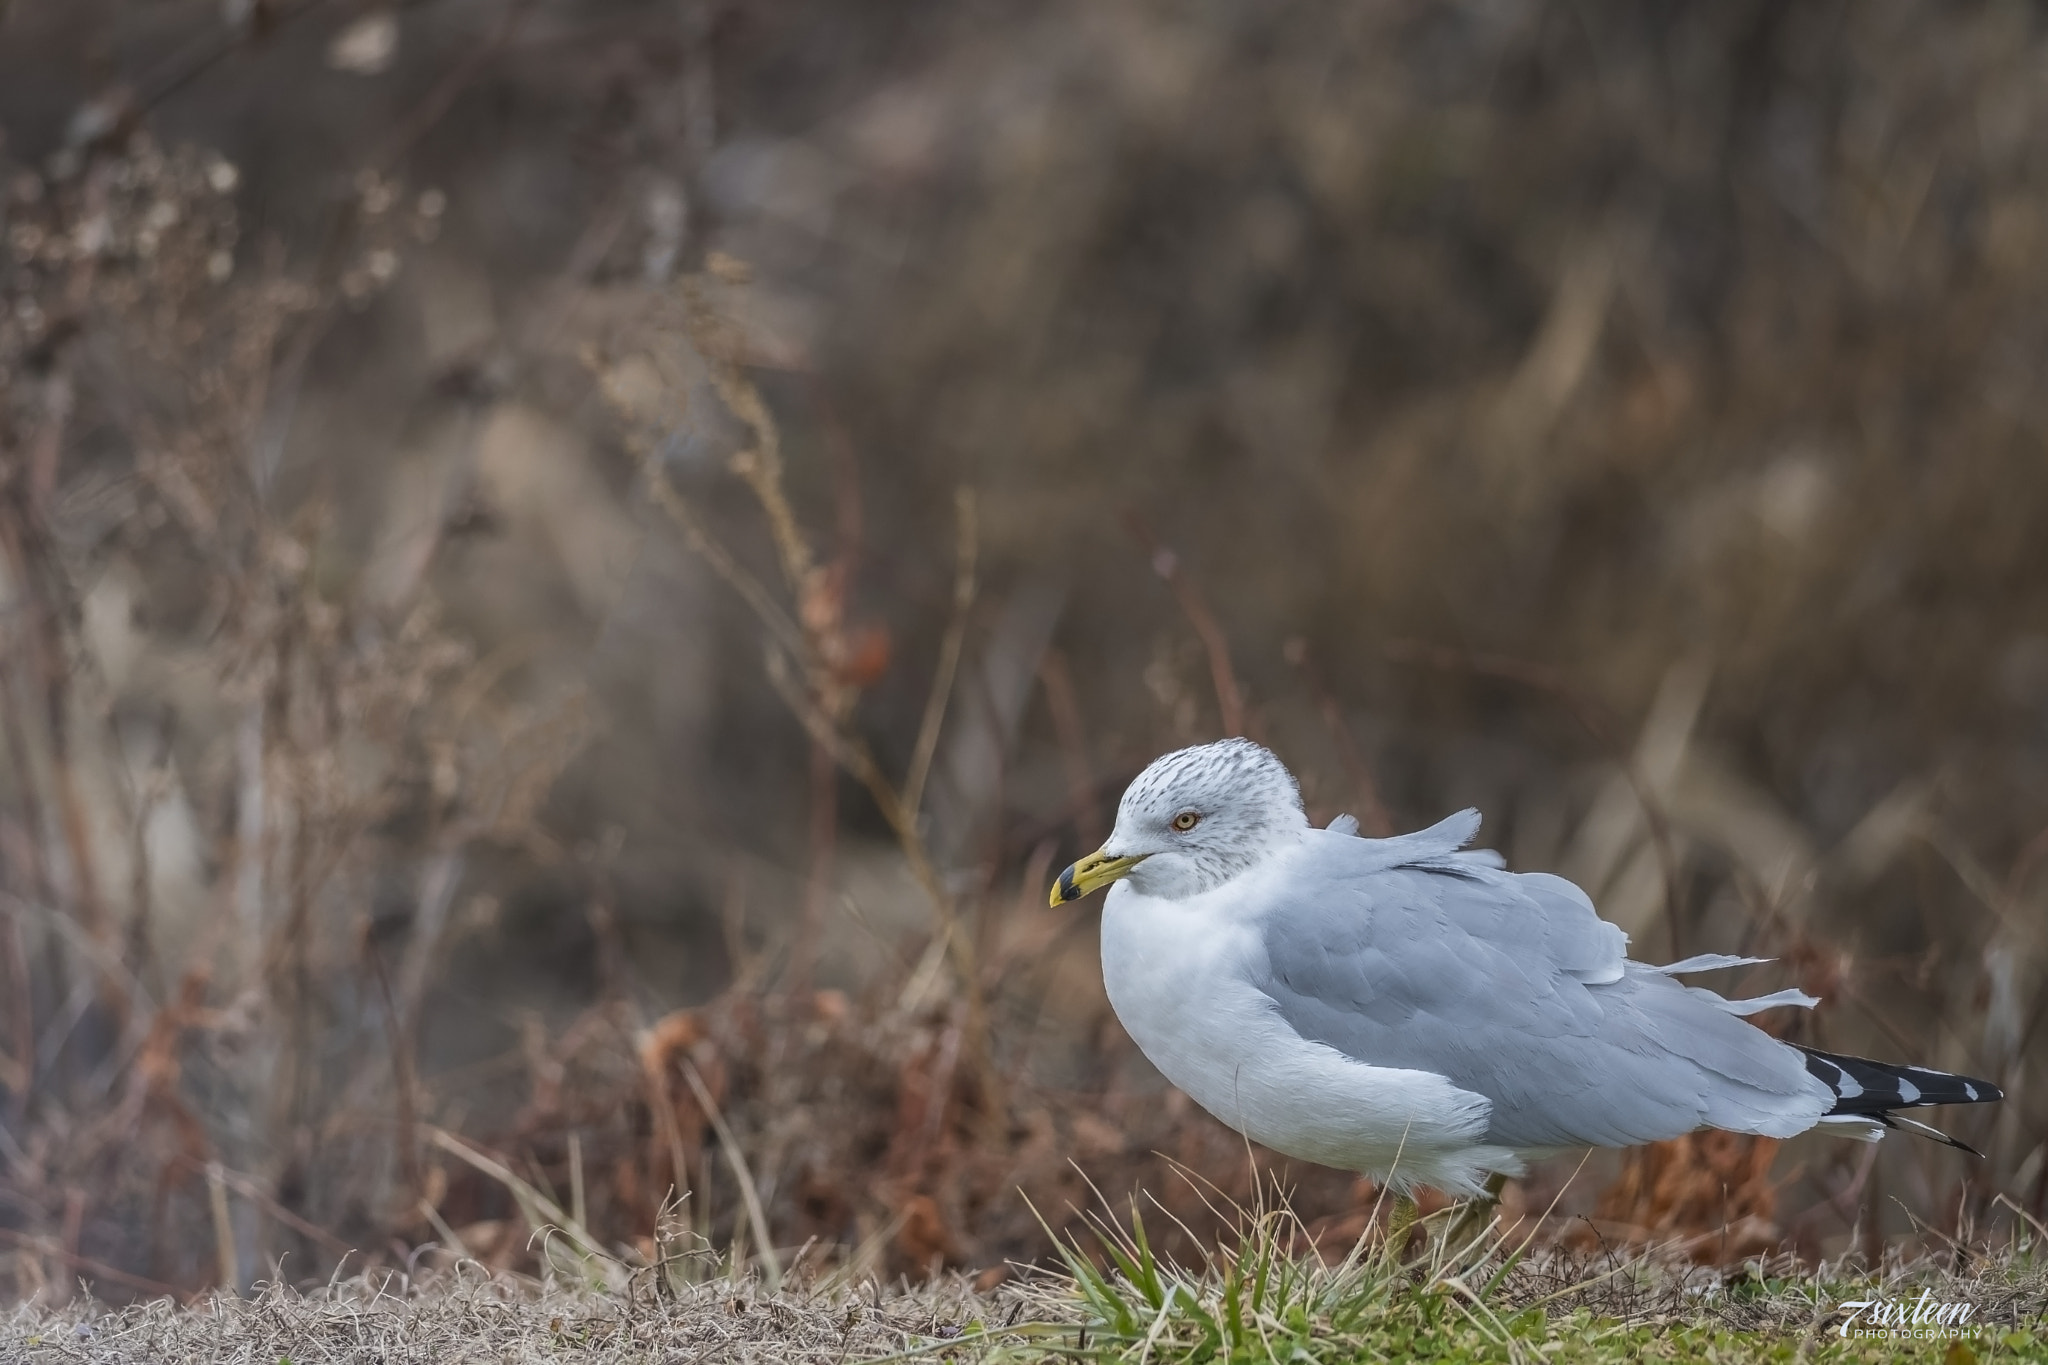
(941, 692)
(346, 766)
(1712, 1190)
(809, 648)
(1058, 682)
(198, 1040)
(1229, 697)
(1598, 724)
(1371, 811)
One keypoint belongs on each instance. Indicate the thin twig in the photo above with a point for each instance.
(824, 777)
(532, 1200)
(2023, 866)
(1165, 563)
(757, 1218)
(16, 944)
(819, 698)
(751, 590)
(43, 1246)
(848, 751)
(824, 839)
(854, 756)
(965, 553)
(197, 58)
(17, 1066)
(760, 467)
(1372, 812)
(1597, 721)
(402, 1082)
(253, 1192)
(224, 1247)
(105, 957)
(431, 110)
(32, 560)
(653, 1071)
(1065, 706)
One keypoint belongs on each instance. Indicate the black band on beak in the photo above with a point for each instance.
(1096, 870)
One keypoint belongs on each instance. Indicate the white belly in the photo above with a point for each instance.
(1180, 973)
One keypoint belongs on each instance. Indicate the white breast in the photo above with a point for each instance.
(1180, 975)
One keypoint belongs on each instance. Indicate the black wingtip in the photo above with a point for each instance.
(1870, 1088)
(1898, 1123)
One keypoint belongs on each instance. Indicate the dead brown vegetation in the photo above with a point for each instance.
(632, 776)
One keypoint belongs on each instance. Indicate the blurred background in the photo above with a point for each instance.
(572, 568)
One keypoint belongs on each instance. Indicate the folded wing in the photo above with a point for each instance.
(1410, 953)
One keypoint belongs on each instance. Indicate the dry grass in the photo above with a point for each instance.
(462, 1317)
(1255, 1296)
(618, 790)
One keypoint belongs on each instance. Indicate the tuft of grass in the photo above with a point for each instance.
(1268, 1297)
(459, 1313)
(1263, 1297)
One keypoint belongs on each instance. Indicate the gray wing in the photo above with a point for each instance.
(1513, 988)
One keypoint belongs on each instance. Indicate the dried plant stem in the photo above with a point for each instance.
(17, 1064)
(824, 837)
(85, 890)
(854, 755)
(105, 957)
(1372, 812)
(448, 1235)
(43, 1246)
(761, 469)
(16, 946)
(2023, 866)
(579, 1208)
(73, 1227)
(253, 1192)
(439, 100)
(820, 698)
(1065, 706)
(1165, 563)
(941, 693)
(653, 1072)
(403, 1083)
(32, 567)
(1596, 722)
(141, 948)
(803, 697)
(538, 1209)
(227, 1253)
(751, 590)
(757, 1217)
(250, 821)
(1979, 882)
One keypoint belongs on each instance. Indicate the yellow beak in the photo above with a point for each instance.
(1098, 869)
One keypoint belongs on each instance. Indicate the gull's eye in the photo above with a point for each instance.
(1186, 821)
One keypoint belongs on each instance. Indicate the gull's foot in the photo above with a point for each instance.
(1474, 1214)
(1402, 1234)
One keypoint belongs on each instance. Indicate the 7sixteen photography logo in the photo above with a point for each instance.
(1924, 1318)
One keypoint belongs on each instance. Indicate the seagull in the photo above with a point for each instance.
(1412, 1011)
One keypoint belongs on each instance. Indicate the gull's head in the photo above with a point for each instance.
(1192, 821)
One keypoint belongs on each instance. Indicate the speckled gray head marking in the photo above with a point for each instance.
(1201, 816)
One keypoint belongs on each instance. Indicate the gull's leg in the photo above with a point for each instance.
(1476, 1211)
(1401, 1224)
